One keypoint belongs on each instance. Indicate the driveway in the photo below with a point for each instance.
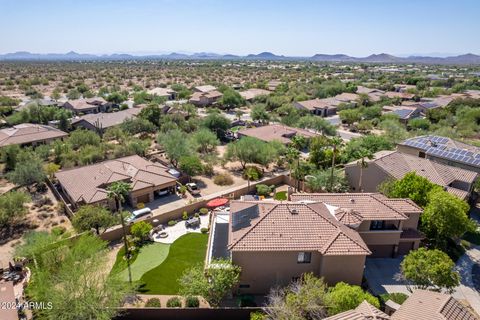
(382, 276)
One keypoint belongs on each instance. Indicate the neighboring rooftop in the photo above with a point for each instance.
(277, 132)
(106, 120)
(445, 148)
(161, 92)
(290, 226)
(85, 104)
(253, 93)
(364, 206)
(89, 183)
(398, 164)
(364, 311)
(27, 133)
(423, 304)
(205, 88)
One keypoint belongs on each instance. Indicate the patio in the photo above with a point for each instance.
(180, 229)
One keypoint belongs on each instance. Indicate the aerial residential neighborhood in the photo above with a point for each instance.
(257, 160)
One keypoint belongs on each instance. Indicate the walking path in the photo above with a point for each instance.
(467, 290)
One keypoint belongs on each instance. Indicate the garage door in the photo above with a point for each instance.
(381, 251)
(143, 198)
(405, 247)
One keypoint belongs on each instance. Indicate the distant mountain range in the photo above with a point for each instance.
(263, 56)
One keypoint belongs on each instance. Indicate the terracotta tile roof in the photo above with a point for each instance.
(253, 93)
(161, 92)
(364, 311)
(88, 183)
(106, 120)
(370, 206)
(85, 104)
(429, 305)
(205, 88)
(313, 104)
(277, 132)
(290, 226)
(402, 95)
(397, 165)
(26, 133)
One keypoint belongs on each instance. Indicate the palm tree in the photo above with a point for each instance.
(363, 154)
(292, 155)
(335, 142)
(118, 191)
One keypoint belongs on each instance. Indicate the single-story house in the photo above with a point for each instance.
(399, 95)
(29, 134)
(89, 184)
(167, 93)
(276, 132)
(203, 99)
(394, 165)
(273, 84)
(405, 113)
(389, 227)
(364, 311)
(328, 106)
(373, 94)
(101, 121)
(90, 105)
(252, 93)
(204, 88)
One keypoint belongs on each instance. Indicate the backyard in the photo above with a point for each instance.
(158, 266)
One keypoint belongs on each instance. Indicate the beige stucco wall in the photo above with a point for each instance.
(264, 270)
(343, 268)
(412, 222)
(372, 177)
(381, 237)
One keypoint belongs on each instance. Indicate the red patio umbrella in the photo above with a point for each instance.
(217, 202)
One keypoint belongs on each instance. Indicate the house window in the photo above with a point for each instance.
(377, 225)
(304, 257)
(244, 286)
(421, 154)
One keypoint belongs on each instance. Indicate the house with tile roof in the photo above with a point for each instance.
(394, 165)
(98, 122)
(389, 227)
(328, 106)
(88, 105)
(27, 134)
(89, 184)
(443, 150)
(276, 242)
(204, 99)
(275, 132)
(364, 311)
(423, 304)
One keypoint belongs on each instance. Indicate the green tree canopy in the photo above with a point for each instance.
(205, 140)
(90, 217)
(445, 216)
(430, 269)
(176, 145)
(213, 284)
(141, 230)
(12, 207)
(343, 297)
(217, 123)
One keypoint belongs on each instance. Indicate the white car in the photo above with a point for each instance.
(138, 213)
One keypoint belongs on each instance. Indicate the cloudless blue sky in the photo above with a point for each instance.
(289, 27)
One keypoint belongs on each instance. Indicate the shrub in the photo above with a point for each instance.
(185, 215)
(172, 222)
(58, 230)
(473, 237)
(196, 215)
(140, 205)
(204, 230)
(396, 297)
(192, 302)
(281, 196)
(153, 303)
(257, 315)
(263, 190)
(223, 179)
(174, 302)
(203, 211)
(252, 173)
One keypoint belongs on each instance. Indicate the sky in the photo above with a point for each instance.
(287, 27)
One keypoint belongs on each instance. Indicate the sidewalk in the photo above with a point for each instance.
(466, 290)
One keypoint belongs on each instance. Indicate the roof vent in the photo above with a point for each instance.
(293, 211)
(352, 200)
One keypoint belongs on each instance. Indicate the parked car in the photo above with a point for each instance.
(193, 188)
(137, 214)
(163, 192)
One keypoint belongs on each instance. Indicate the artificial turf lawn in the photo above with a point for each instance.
(281, 196)
(150, 256)
(186, 252)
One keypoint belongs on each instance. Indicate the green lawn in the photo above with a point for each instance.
(150, 256)
(186, 252)
(281, 196)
